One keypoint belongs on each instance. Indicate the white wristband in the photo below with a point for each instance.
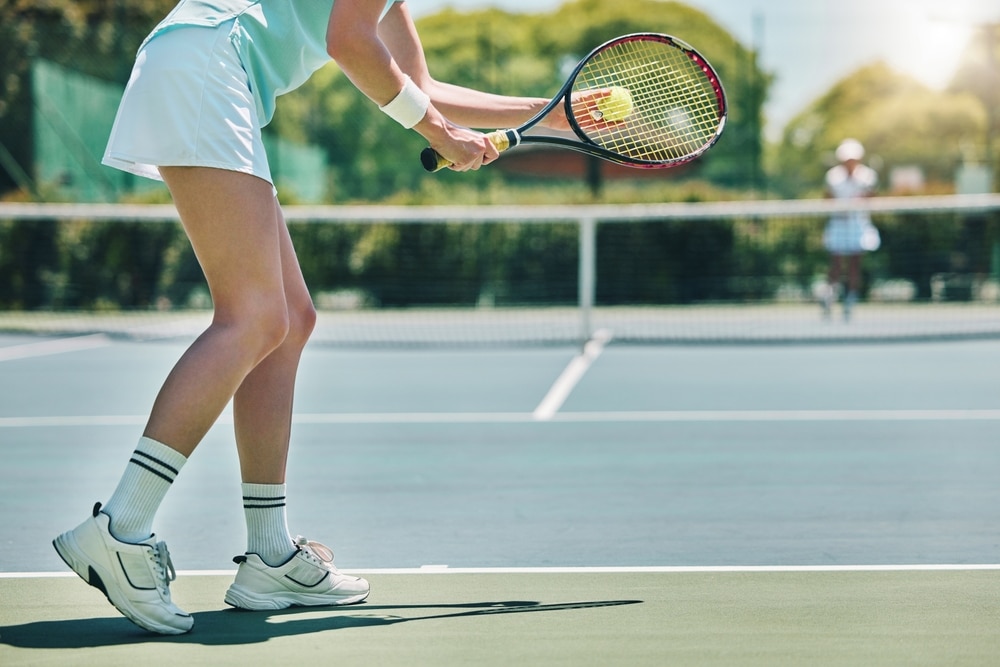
(409, 107)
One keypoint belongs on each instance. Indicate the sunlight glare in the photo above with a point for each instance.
(928, 46)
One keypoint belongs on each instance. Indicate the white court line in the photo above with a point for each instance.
(56, 346)
(780, 415)
(655, 416)
(571, 376)
(412, 418)
(74, 421)
(666, 569)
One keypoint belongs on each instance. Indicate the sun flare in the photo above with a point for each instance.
(929, 47)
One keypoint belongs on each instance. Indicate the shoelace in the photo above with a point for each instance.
(164, 566)
(319, 551)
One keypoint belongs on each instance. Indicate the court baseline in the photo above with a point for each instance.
(665, 416)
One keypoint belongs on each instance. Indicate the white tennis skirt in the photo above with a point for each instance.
(188, 103)
(851, 235)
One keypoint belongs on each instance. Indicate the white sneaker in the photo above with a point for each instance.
(134, 577)
(309, 578)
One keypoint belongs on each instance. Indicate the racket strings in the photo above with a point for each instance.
(665, 121)
(671, 119)
(677, 104)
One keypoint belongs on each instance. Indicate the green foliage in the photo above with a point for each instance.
(90, 265)
(100, 266)
(83, 265)
(373, 158)
(668, 262)
(979, 76)
(490, 50)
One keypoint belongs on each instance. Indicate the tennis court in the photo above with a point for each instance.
(558, 412)
(635, 505)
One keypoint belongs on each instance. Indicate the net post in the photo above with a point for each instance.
(587, 274)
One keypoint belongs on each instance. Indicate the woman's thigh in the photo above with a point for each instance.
(236, 229)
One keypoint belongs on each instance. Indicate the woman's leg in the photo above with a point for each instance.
(832, 280)
(235, 228)
(263, 318)
(854, 274)
(833, 272)
(262, 409)
(262, 406)
(853, 284)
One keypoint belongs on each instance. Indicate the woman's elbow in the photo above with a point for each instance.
(341, 42)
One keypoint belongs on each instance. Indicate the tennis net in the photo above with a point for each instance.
(749, 271)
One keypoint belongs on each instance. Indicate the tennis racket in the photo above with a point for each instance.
(672, 110)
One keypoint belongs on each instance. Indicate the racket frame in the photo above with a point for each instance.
(513, 137)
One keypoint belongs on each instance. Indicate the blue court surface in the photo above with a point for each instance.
(624, 456)
(612, 458)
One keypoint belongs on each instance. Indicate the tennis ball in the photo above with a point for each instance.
(615, 106)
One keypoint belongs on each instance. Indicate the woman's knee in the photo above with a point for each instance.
(274, 328)
(301, 322)
(288, 325)
(257, 328)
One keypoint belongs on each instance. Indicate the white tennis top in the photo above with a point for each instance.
(280, 42)
(844, 185)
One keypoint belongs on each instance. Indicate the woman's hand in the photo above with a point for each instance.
(585, 111)
(466, 149)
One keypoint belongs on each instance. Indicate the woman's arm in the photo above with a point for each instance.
(378, 56)
(465, 106)
(378, 60)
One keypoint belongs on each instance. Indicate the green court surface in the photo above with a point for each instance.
(576, 619)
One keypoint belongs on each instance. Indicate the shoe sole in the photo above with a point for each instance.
(242, 598)
(67, 548)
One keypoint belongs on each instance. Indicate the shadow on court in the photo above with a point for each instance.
(230, 627)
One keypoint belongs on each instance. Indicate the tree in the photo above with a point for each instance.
(898, 119)
(979, 75)
(520, 55)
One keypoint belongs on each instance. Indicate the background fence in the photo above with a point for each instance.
(72, 118)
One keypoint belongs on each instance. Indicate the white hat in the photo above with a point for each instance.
(850, 149)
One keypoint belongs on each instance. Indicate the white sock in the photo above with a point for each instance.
(267, 523)
(146, 480)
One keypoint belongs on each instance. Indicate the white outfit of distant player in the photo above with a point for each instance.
(852, 232)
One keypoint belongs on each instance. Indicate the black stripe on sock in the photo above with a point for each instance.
(258, 502)
(157, 462)
(170, 480)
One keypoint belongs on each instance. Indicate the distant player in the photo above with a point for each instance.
(848, 235)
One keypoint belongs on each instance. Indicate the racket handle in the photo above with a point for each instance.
(502, 139)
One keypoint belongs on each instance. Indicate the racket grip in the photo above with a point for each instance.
(502, 139)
